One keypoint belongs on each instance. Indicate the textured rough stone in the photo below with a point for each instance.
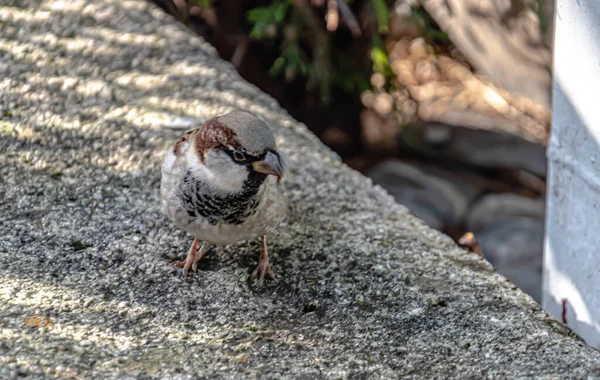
(363, 288)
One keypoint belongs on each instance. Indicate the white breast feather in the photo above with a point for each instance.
(269, 213)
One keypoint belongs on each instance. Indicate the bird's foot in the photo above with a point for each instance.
(191, 261)
(260, 271)
(185, 265)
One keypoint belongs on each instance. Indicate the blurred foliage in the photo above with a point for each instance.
(292, 60)
(310, 53)
(382, 15)
(348, 78)
(203, 4)
(379, 57)
(427, 27)
(267, 20)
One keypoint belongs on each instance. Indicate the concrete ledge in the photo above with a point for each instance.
(91, 94)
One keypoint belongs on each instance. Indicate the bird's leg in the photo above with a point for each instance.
(263, 264)
(199, 256)
(193, 256)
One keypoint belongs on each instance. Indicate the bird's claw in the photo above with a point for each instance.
(185, 266)
(260, 271)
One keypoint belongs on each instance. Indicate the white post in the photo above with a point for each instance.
(572, 244)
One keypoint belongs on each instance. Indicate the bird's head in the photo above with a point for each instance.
(237, 147)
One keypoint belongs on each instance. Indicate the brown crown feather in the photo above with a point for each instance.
(214, 134)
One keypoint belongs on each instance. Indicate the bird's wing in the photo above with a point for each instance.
(183, 142)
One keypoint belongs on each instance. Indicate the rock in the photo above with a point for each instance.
(515, 247)
(440, 201)
(363, 289)
(510, 230)
(516, 242)
(508, 227)
(496, 207)
(484, 149)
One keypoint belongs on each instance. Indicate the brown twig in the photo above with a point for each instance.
(348, 18)
(240, 52)
(183, 8)
(333, 16)
(170, 7)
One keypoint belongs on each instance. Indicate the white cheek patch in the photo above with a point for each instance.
(221, 173)
(194, 164)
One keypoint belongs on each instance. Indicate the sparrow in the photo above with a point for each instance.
(220, 184)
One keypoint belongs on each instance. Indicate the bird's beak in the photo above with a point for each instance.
(273, 164)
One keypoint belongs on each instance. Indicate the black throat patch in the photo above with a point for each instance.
(230, 209)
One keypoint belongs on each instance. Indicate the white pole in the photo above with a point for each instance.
(572, 245)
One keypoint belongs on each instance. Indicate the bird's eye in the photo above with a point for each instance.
(238, 156)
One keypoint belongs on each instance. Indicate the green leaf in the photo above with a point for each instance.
(292, 57)
(204, 4)
(382, 15)
(270, 16)
(303, 66)
(379, 57)
(438, 35)
(281, 11)
(278, 67)
(258, 31)
(259, 14)
(427, 26)
(348, 77)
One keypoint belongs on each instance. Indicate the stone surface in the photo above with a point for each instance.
(363, 288)
(528, 280)
(437, 198)
(509, 227)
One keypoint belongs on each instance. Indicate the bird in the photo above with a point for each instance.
(220, 184)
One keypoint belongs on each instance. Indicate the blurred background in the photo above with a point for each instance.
(444, 103)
